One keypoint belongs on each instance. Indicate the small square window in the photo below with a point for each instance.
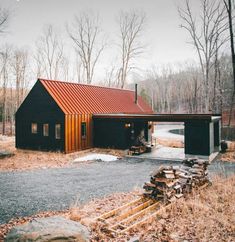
(83, 130)
(57, 131)
(45, 129)
(34, 128)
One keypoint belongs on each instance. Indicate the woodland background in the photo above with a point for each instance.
(203, 86)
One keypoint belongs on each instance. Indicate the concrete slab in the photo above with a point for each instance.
(165, 153)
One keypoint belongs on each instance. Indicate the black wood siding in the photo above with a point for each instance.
(39, 107)
(112, 133)
(197, 138)
(109, 134)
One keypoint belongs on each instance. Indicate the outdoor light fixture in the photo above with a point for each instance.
(127, 125)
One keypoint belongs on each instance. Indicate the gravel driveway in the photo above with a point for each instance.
(28, 192)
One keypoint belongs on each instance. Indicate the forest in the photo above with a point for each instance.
(202, 86)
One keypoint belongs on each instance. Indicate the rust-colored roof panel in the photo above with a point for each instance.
(80, 98)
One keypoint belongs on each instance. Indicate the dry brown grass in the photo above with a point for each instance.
(229, 155)
(97, 207)
(205, 216)
(28, 159)
(174, 143)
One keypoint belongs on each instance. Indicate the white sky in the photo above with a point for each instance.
(166, 42)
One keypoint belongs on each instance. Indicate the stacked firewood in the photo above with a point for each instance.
(172, 182)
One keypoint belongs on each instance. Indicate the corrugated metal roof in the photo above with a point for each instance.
(75, 98)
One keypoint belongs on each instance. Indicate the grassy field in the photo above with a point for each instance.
(205, 216)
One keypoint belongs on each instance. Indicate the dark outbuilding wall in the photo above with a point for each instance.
(197, 138)
(39, 107)
(111, 133)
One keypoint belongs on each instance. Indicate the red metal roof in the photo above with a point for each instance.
(75, 98)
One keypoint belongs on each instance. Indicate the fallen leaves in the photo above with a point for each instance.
(28, 159)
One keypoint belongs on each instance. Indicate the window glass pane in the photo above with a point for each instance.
(57, 131)
(83, 130)
(45, 129)
(34, 128)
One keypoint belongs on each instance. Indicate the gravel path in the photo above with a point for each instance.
(28, 192)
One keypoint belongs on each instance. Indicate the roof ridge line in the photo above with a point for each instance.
(84, 84)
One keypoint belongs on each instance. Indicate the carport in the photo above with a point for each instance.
(202, 131)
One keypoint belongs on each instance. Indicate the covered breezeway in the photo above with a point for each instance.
(202, 131)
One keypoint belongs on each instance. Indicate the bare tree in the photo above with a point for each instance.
(19, 66)
(79, 72)
(207, 36)
(131, 26)
(5, 56)
(4, 18)
(49, 55)
(86, 34)
(110, 76)
(228, 6)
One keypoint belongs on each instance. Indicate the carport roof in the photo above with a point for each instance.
(161, 117)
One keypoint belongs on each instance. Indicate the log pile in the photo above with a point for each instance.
(172, 182)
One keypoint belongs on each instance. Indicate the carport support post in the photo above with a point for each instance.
(217, 135)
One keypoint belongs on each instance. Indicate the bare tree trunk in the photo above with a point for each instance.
(85, 33)
(5, 55)
(207, 40)
(228, 6)
(4, 100)
(11, 111)
(50, 54)
(131, 27)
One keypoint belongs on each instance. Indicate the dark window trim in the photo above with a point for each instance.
(57, 130)
(47, 134)
(83, 130)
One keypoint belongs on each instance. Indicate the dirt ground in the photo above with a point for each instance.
(174, 143)
(204, 216)
(27, 159)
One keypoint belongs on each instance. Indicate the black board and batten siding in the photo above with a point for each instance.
(202, 137)
(113, 133)
(40, 108)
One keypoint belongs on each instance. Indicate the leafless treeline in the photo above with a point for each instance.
(190, 88)
(182, 91)
(50, 59)
(207, 86)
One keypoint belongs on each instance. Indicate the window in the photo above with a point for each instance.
(83, 130)
(57, 131)
(45, 129)
(34, 128)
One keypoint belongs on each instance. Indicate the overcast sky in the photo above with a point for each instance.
(165, 41)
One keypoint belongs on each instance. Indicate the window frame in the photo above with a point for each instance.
(46, 131)
(57, 131)
(83, 130)
(34, 128)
